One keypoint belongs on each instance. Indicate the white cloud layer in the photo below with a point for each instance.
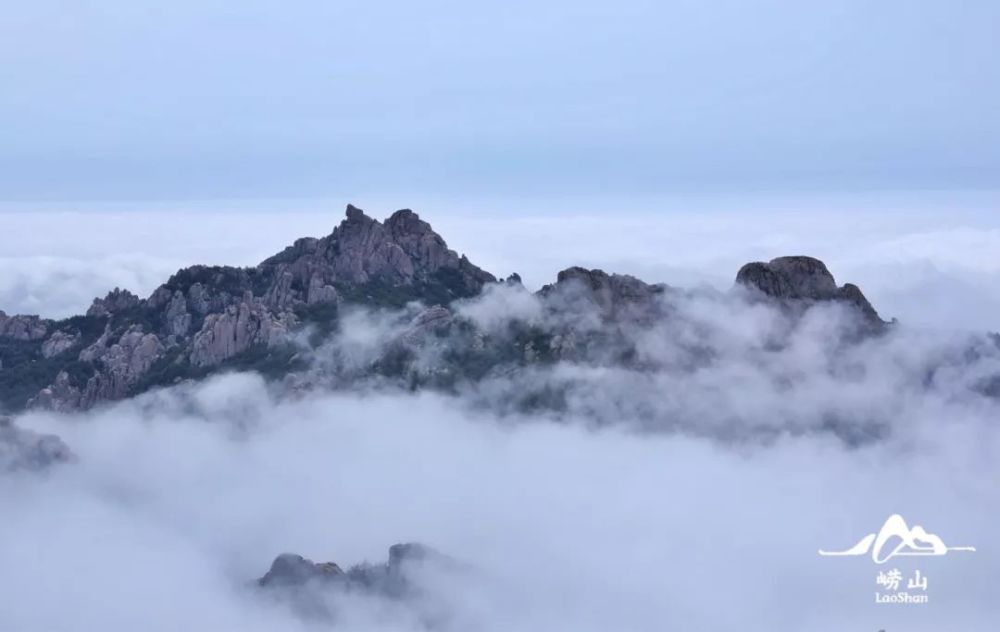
(180, 498)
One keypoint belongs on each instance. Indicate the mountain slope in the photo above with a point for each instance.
(272, 317)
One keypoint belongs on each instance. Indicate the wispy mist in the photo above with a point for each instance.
(688, 488)
(691, 495)
(180, 498)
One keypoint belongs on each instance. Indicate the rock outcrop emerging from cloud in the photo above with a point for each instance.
(803, 280)
(22, 449)
(275, 318)
(311, 588)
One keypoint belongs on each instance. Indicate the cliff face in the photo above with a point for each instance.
(211, 318)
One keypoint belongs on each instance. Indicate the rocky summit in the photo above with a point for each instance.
(310, 588)
(273, 317)
(803, 280)
(292, 570)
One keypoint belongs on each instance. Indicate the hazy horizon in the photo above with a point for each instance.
(923, 258)
(141, 100)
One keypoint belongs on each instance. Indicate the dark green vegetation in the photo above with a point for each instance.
(174, 366)
(322, 318)
(233, 281)
(90, 328)
(25, 371)
(443, 287)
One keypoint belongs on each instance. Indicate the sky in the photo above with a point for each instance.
(143, 100)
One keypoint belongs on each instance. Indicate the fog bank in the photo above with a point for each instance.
(180, 497)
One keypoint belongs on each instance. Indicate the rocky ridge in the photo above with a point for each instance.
(292, 570)
(310, 588)
(266, 318)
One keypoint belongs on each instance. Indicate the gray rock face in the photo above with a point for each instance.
(790, 277)
(513, 279)
(60, 396)
(319, 292)
(403, 251)
(803, 279)
(123, 364)
(23, 327)
(280, 296)
(22, 449)
(59, 342)
(177, 319)
(289, 570)
(183, 302)
(237, 329)
(614, 295)
(428, 253)
(307, 586)
(362, 250)
(208, 318)
(204, 316)
(122, 360)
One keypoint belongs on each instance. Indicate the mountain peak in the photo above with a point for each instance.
(353, 213)
(401, 215)
(800, 278)
(116, 301)
(207, 318)
(402, 251)
(613, 294)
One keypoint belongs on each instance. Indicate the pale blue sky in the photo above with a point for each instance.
(184, 100)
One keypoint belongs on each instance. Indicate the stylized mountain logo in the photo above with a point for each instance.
(915, 542)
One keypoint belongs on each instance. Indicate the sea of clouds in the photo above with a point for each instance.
(179, 499)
